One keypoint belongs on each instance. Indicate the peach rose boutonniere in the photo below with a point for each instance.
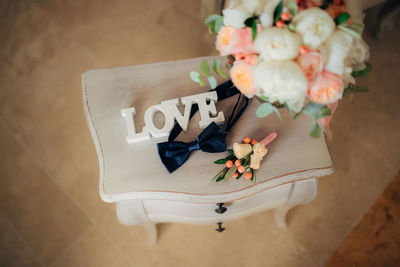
(244, 159)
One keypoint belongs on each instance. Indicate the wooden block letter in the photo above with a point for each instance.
(132, 136)
(206, 109)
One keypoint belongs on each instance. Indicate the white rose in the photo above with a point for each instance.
(281, 81)
(277, 44)
(335, 51)
(347, 77)
(358, 54)
(315, 25)
(252, 6)
(267, 16)
(235, 17)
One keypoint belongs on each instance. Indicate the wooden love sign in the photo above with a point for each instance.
(171, 113)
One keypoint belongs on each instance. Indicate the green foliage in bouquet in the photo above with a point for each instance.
(205, 71)
(283, 17)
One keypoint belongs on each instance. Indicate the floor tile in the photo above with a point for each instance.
(120, 38)
(39, 210)
(14, 251)
(91, 250)
(375, 241)
(342, 199)
(253, 241)
(372, 118)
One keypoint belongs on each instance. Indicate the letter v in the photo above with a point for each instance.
(170, 106)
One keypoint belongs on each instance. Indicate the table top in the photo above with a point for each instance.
(134, 171)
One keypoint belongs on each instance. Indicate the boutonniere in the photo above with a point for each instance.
(244, 158)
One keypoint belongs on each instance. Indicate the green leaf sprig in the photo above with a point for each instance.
(266, 109)
(362, 73)
(315, 111)
(214, 23)
(205, 70)
(227, 173)
(351, 89)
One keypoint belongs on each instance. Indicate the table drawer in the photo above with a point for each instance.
(190, 212)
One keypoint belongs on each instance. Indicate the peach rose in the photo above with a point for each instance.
(242, 77)
(255, 162)
(259, 150)
(233, 40)
(311, 64)
(241, 150)
(326, 88)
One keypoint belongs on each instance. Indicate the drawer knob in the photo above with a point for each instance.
(220, 228)
(221, 209)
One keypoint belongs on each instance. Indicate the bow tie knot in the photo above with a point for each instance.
(192, 146)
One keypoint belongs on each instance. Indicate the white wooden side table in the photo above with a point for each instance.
(133, 176)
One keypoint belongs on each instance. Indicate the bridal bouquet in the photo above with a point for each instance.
(302, 55)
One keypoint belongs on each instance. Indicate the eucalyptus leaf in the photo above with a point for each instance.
(364, 72)
(342, 18)
(212, 18)
(230, 172)
(212, 81)
(205, 68)
(264, 110)
(316, 111)
(222, 74)
(216, 66)
(201, 81)
(195, 76)
(277, 113)
(219, 23)
(214, 23)
(290, 110)
(315, 130)
(211, 27)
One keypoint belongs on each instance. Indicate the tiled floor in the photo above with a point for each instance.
(50, 210)
(375, 241)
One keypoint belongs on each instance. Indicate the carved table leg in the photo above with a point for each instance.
(302, 192)
(132, 212)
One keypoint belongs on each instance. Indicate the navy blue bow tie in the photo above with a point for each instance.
(174, 154)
